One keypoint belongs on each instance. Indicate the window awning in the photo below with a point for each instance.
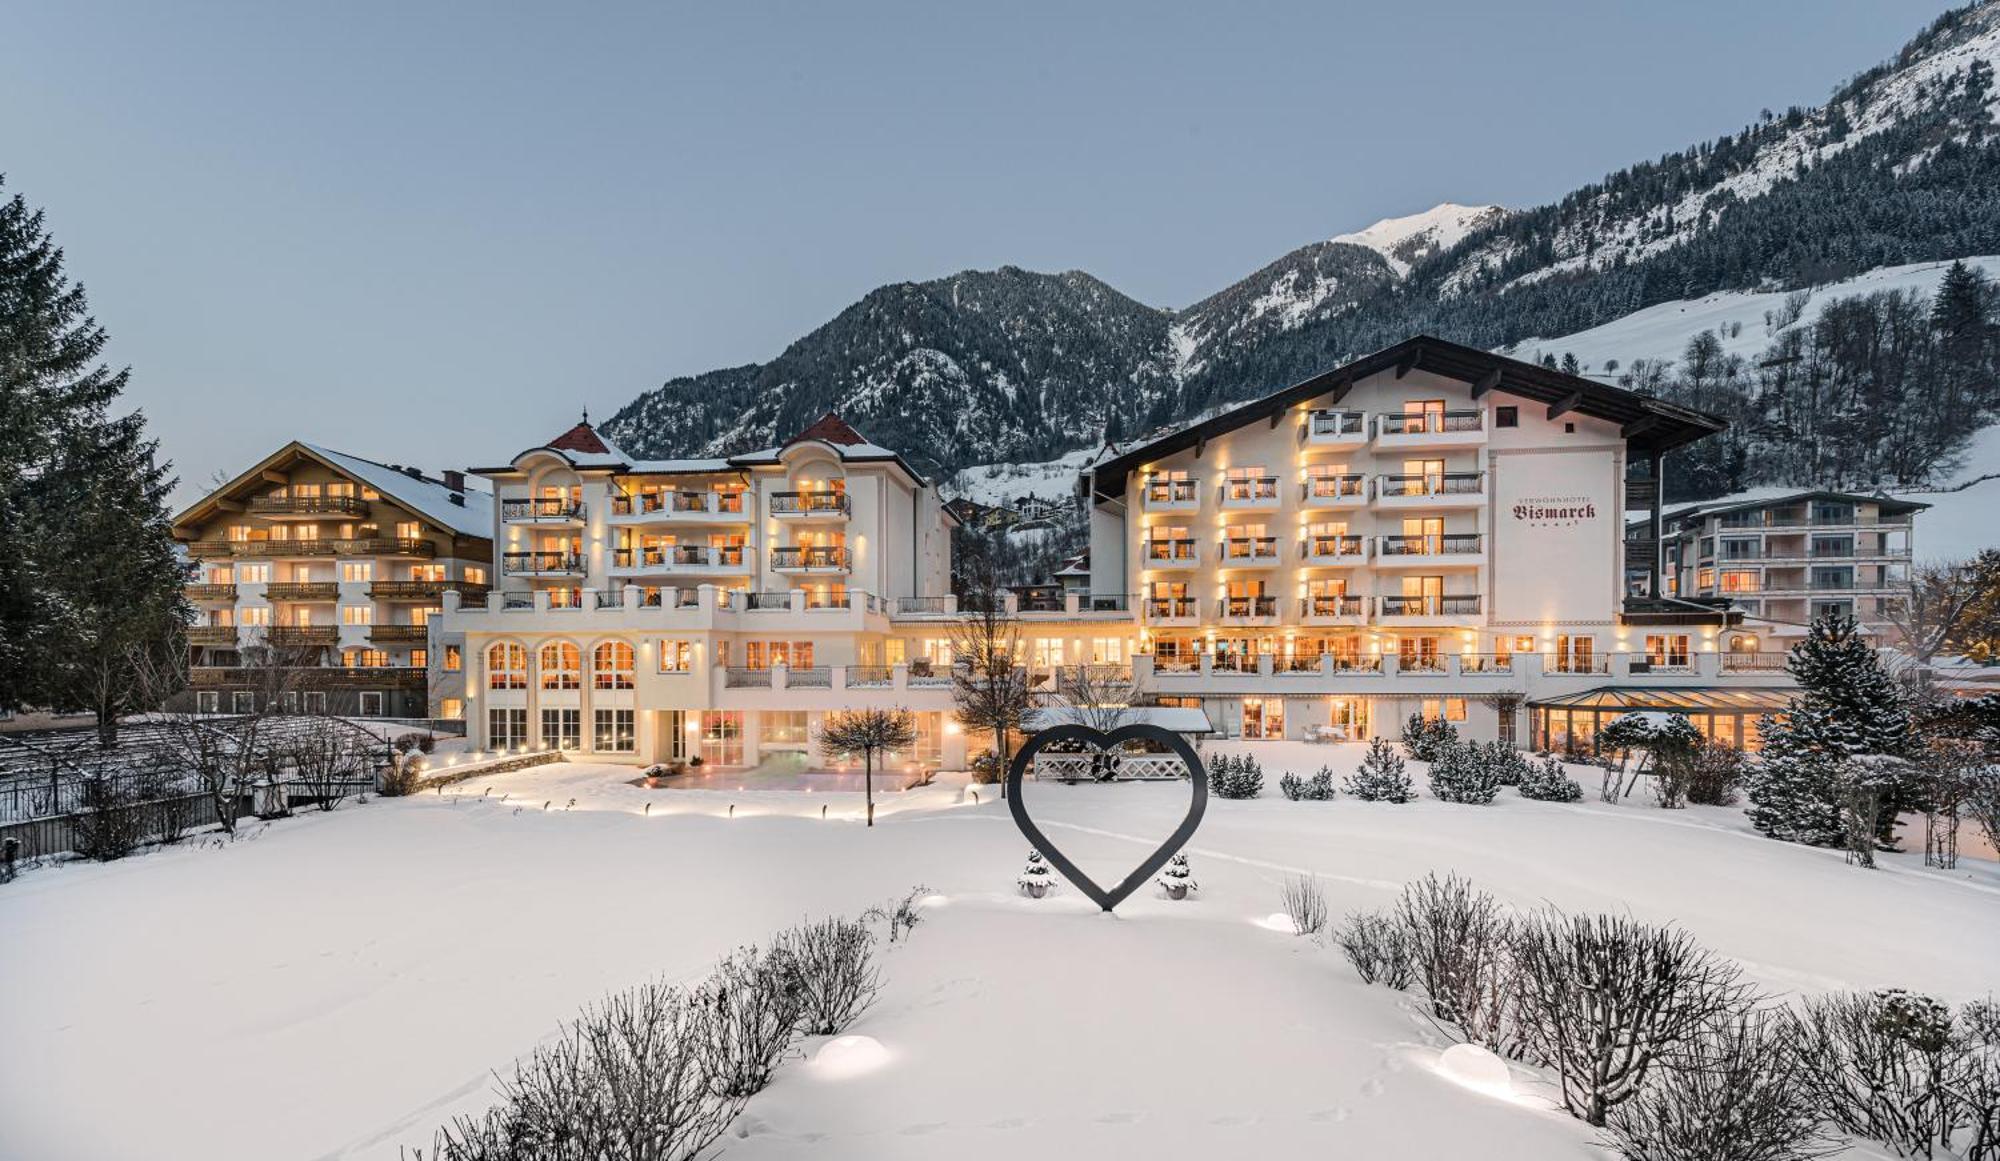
(1676, 699)
(1179, 719)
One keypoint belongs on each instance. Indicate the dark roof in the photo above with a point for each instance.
(581, 438)
(829, 428)
(1890, 504)
(1648, 424)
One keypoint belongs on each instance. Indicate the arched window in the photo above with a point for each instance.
(611, 666)
(506, 666)
(562, 666)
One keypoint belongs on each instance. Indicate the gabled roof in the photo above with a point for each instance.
(581, 438)
(1648, 424)
(1775, 497)
(471, 514)
(829, 428)
(583, 446)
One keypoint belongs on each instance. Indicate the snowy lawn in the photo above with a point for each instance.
(340, 984)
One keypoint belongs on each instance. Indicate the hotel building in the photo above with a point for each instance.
(1788, 559)
(337, 567)
(1430, 529)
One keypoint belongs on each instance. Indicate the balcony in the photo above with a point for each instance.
(1252, 494)
(1486, 664)
(1174, 553)
(399, 634)
(472, 592)
(1345, 491)
(1432, 490)
(1329, 610)
(212, 635)
(1431, 429)
(1417, 610)
(715, 507)
(542, 510)
(1333, 550)
(1247, 610)
(1249, 552)
(685, 559)
(312, 676)
(261, 548)
(809, 558)
(1172, 495)
(384, 546)
(1331, 428)
(1171, 611)
(1445, 548)
(302, 635)
(306, 507)
(208, 592)
(1576, 663)
(302, 591)
(801, 506)
(541, 563)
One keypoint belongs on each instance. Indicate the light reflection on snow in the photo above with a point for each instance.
(849, 1056)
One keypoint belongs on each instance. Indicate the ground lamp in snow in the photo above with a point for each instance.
(1106, 741)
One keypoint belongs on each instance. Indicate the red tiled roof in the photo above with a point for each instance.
(581, 438)
(829, 428)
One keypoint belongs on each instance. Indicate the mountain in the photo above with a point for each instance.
(1901, 165)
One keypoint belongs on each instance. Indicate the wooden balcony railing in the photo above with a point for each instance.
(399, 634)
(211, 592)
(302, 635)
(308, 506)
(426, 590)
(302, 591)
(313, 676)
(211, 635)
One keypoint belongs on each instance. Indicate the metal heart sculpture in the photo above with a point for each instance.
(1103, 740)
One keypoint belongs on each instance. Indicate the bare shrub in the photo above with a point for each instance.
(899, 917)
(1886, 1066)
(1603, 999)
(754, 1001)
(832, 962)
(1715, 774)
(325, 758)
(1733, 1091)
(401, 777)
(1305, 903)
(1461, 957)
(1378, 946)
(109, 823)
(632, 1077)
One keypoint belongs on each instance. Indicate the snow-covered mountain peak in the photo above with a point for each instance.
(1403, 241)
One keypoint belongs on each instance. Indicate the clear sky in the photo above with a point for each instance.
(430, 233)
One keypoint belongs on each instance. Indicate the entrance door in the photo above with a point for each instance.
(1349, 718)
(1263, 717)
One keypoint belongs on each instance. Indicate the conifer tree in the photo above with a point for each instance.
(88, 582)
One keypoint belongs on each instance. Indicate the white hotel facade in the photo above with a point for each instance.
(1430, 529)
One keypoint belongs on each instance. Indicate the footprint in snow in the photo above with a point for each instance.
(1373, 1086)
(1336, 1114)
(1118, 1119)
(1010, 1123)
(920, 1129)
(1233, 1121)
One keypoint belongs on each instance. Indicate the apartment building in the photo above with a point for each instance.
(1787, 559)
(333, 568)
(1430, 529)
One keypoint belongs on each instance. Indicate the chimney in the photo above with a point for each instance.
(455, 480)
(414, 473)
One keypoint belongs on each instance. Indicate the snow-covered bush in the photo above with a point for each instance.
(1715, 775)
(1897, 1068)
(1235, 776)
(1548, 781)
(1504, 761)
(1460, 944)
(1177, 877)
(1378, 945)
(1458, 775)
(1735, 1090)
(755, 999)
(832, 964)
(1605, 999)
(1036, 879)
(420, 741)
(1382, 777)
(632, 1077)
(400, 777)
(1305, 903)
(1426, 737)
(1318, 788)
(987, 768)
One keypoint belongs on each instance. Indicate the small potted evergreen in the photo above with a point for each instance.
(1177, 878)
(1036, 878)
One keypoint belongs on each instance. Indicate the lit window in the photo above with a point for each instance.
(453, 659)
(507, 667)
(562, 666)
(676, 656)
(611, 666)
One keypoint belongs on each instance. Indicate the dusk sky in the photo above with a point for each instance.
(430, 235)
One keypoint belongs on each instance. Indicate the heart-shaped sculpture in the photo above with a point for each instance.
(1103, 740)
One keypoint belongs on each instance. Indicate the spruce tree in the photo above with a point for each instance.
(1794, 786)
(1838, 671)
(87, 575)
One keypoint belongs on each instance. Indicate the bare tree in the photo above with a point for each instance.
(223, 756)
(989, 683)
(1102, 697)
(1735, 1091)
(325, 759)
(1934, 607)
(1604, 998)
(868, 732)
(1459, 943)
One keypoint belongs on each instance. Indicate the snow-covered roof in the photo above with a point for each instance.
(424, 496)
(1774, 495)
